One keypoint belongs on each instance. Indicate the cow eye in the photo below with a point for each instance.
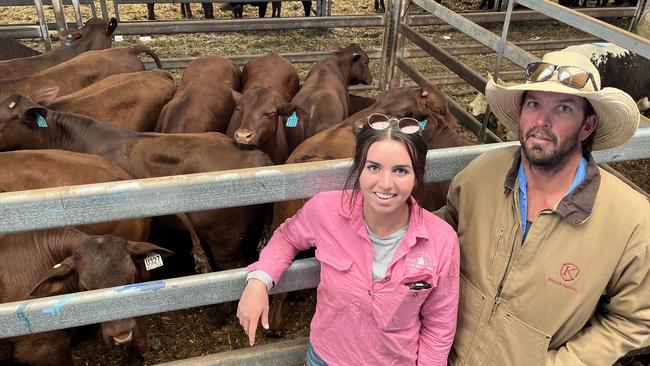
(270, 114)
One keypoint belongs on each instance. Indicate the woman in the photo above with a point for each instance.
(388, 291)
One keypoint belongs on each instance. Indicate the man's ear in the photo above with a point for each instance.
(55, 281)
(589, 126)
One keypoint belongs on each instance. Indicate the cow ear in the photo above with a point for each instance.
(45, 96)
(141, 248)
(55, 281)
(286, 109)
(112, 24)
(395, 81)
(333, 47)
(236, 96)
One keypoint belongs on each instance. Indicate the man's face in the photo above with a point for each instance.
(552, 127)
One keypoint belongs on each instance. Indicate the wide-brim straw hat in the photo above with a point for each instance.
(618, 114)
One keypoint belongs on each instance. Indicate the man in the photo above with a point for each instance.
(555, 252)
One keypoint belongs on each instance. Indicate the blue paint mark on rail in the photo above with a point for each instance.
(20, 313)
(54, 309)
(141, 287)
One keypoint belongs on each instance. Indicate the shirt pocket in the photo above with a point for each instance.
(522, 344)
(335, 279)
(399, 308)
(470, 305)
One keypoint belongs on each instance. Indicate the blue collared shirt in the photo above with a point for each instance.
(581, 172)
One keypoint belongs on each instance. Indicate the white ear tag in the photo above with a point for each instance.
(152, 261)
(56, 266)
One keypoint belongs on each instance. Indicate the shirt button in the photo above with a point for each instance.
(369, 293)
(387, 278)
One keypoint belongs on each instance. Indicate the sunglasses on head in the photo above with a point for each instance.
(380, 121)
(571, 76)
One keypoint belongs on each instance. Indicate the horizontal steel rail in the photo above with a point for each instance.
(239, 25)
(57, 312)
(45, 2)
(596, 27)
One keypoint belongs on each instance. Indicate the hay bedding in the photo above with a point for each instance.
(189, 333)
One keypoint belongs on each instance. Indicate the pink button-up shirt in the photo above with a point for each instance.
(358, 322)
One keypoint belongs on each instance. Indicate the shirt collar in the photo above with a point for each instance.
(354, 212)
(577, 205)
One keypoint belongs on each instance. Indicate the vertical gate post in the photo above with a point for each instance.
(77, 13)
(391, 39)
(42, 22)
(59, 15)
(102, 4)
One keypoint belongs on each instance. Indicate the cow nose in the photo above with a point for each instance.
(243, 136)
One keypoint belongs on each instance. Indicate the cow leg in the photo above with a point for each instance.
(379, 6)
(150, 13)
(186, 11)
(238, 11)
(276, 9)
(262, 9)
(307, 6)
(208, 10)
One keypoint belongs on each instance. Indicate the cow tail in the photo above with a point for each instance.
(201, 261)
(140, 48)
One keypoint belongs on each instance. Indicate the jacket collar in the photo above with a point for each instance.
(575, 207)
(354, 213)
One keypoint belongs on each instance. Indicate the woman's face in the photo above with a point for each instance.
(387, 178)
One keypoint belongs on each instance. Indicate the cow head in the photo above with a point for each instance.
(96, 33)
(433, 102)
(101, 261)
(257, 111)
(355, 61)
(20, 116)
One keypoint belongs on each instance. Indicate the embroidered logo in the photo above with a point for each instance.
(569, 272)
(419, 260)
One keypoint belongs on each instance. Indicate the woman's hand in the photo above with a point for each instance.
(254, 303)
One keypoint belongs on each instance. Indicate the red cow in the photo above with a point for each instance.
(203, 101)
(94, 35)
(131, 101)
(337, 142)
(323, 99)
(60, 261)
(269, 82)
(81, 71)
(142, 155)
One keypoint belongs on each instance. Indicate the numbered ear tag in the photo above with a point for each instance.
(423, 124)
(152, 261)
(40, 120)
(292, 121)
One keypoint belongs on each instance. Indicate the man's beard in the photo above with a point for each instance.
(554, 159)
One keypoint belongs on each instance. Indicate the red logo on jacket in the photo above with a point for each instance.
(569, 272)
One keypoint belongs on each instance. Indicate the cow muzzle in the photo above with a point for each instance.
(244, 138)
(123, 338)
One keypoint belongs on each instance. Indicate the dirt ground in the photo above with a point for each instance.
(190, 333)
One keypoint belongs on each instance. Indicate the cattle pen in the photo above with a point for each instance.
(55, 207)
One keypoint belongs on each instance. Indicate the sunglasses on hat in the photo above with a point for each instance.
(571, 76)
(380, 121)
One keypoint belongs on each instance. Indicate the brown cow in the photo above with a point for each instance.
(203, 102)
(339, 141)
(358, 103)
(11, 49)
(61, 261)
(323, 99)
(142, 155)
(269, 82)
(131, 101)
(94, 35)
(81, 71)
(34, 169)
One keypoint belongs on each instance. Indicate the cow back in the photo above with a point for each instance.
(204, 101)
(35, 169)
(94, 35)
(131, 101)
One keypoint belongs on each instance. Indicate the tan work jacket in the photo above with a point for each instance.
(576, 292)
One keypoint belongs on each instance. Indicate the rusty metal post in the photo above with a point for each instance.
(640, 10)
(42, 22)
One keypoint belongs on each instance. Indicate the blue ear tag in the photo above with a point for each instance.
(423, 124)
(68, 43)
(41, 121)
(292, 121)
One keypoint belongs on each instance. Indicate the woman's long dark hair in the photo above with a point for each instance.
(415, 145)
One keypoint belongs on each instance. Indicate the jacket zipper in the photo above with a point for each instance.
(497, 298)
